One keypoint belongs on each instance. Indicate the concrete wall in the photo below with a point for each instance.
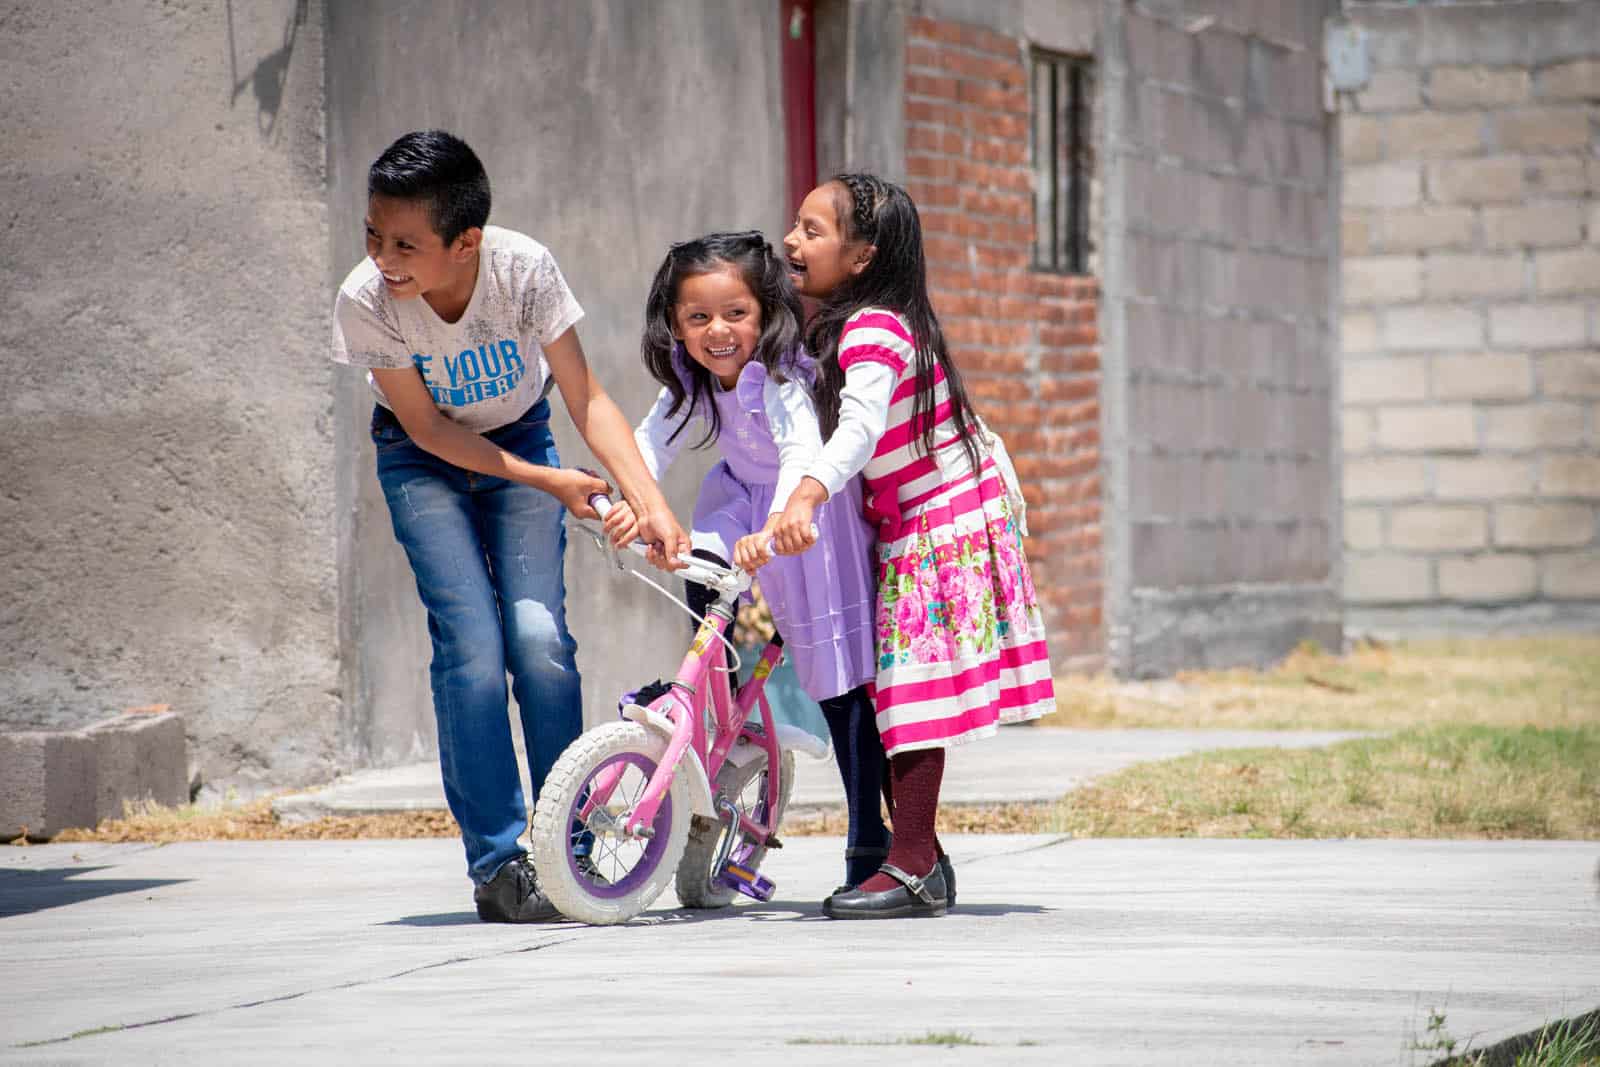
(1220, 201)
(167, 493)
(609, 130)
(1471, 336)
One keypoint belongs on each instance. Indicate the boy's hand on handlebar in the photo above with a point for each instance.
(622, 527)
(667, 541)
(750, 551)
(574, 486)
(795, 529)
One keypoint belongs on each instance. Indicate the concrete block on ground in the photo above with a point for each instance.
(54, 779)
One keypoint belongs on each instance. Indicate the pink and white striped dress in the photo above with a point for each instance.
(960, 639)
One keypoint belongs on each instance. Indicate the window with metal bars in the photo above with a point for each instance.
(1063, 162)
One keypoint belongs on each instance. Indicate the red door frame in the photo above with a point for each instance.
(799, 63)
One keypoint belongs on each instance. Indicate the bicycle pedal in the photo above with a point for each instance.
(773, 842)
(752, 884)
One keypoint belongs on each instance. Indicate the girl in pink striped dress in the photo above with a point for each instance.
(960, 640)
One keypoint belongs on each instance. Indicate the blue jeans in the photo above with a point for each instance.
(487, 555)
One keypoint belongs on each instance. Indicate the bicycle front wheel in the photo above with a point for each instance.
(588, 868)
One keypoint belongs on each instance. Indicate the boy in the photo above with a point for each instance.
(463, 327)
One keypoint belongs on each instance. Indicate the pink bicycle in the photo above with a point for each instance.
(682, 790)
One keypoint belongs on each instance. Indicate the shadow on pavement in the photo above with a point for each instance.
(441, 918)
(25, 892)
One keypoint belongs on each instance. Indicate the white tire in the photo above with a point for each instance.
(747, 787)
(631, 871)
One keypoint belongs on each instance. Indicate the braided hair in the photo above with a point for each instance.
(881, 214)
(763, 273)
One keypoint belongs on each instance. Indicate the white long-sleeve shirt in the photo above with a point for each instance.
(863, 417)
(790, 414)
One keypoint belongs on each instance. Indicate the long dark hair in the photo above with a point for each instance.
(767, 278)
(881, 214)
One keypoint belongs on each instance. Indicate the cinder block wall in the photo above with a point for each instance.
(1471, 332)
(1026, 340)
(1217, 316)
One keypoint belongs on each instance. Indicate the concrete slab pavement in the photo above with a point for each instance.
(1062, 951)
(1018, 764)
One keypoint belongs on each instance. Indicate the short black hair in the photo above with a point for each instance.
(438, 169)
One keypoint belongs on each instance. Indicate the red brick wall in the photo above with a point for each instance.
(1026, 341)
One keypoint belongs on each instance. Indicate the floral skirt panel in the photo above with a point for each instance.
(960, 638)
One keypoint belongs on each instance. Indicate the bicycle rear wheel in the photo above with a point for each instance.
(621, 875)
(747, 787)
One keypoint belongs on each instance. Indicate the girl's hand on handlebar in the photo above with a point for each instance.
(622, 527)
(667, 541)
(750, 551)
(574, 486)
(795, 529)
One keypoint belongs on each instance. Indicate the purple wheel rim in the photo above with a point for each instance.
(654, 848)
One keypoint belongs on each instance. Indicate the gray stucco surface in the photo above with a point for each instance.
(609, 130)
(167, 496)
(1219, 401)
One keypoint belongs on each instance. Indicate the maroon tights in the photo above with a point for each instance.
(912, 791)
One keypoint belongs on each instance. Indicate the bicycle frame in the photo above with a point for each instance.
(701, 685)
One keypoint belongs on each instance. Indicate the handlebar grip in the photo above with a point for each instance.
(772, 549)
(601, 504)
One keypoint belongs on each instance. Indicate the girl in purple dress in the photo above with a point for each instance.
(722, 336)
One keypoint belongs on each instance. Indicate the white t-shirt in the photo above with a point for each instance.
(486, 368)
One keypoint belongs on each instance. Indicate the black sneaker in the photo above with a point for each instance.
(513, 896)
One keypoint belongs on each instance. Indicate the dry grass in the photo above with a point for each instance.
(255, 821)
(1543, 681)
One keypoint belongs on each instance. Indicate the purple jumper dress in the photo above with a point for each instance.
(823, 601)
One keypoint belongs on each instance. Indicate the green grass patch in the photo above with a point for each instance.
(1432, 782)
(1544, 681)
(946, 1038)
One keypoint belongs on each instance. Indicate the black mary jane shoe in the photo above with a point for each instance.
(949, 870)
(913, 898)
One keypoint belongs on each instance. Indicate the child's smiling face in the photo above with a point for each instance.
(820, 258)
(718, 319)
(407, 249)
